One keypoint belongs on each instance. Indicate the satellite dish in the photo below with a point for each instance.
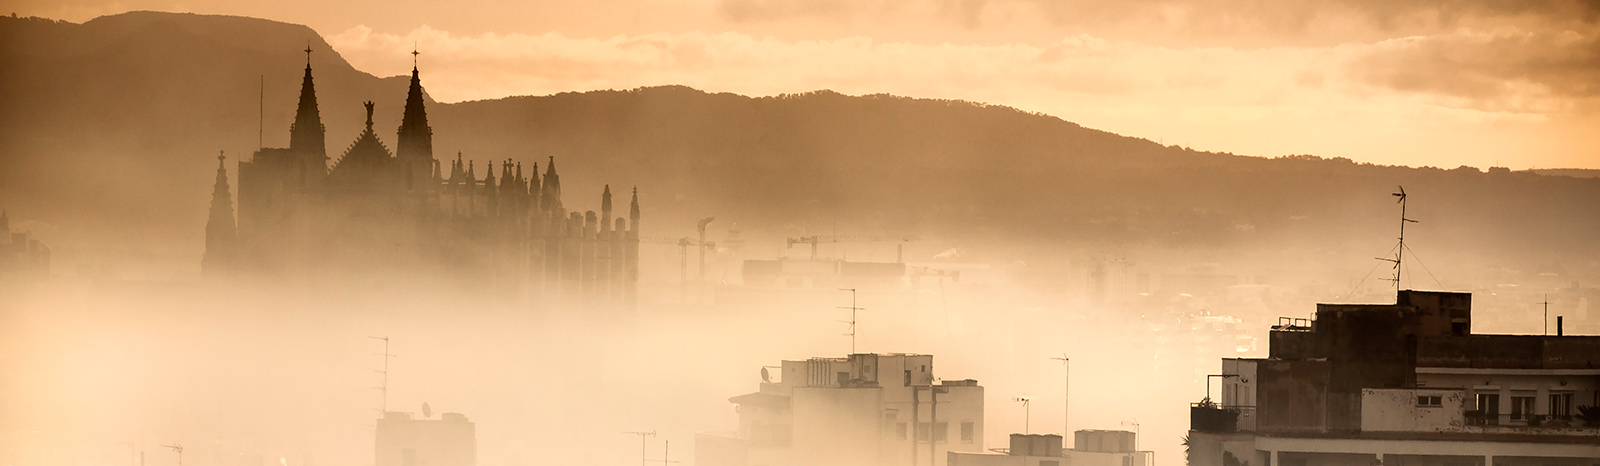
(765, 378)
(427, 412)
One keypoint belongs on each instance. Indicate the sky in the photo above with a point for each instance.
(1425, 83)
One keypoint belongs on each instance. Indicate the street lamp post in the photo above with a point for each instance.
(1066, 390)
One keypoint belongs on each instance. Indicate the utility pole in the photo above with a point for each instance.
(1066, 391)
(853, 308)
(642, 445)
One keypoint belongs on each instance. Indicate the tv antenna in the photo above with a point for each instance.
(384, 389)
(853, 308)
(177, 447)
(666, 452)
(1027, 412)
(1400, 251)
(642, 444)
(1546, 323)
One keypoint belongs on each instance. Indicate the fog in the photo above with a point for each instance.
(154, 294)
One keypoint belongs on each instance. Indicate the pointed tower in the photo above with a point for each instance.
(550, 195)
(633, 215)
(415, 144)
(306, 137)
(221, 232)
(605, 211)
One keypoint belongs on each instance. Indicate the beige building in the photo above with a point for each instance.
(866, 409)
(1404, 384)
(1091, 448)
(450, 440)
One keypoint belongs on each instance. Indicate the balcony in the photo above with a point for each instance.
(1207, 416)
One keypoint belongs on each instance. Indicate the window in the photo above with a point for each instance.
(900, 431)
(922, 431)
(1560, 405)
(1521, 408)
(908, 377)
(967, 429)
(941, 432)
(1050, 463)
(1489, 407)
(1429, 401)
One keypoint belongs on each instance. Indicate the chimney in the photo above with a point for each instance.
(1558, 326)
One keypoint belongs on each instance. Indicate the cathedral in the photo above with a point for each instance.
(373, 212)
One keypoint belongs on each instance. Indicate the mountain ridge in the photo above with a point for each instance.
(106, 132)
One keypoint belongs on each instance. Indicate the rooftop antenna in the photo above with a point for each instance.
(642, 444)
(384, 389)
(853, 308)
(261, 115)
(666, 452)
(1546, 322)
(1400, 251)
(1066, 391)
(1027, 414)
(177, 447)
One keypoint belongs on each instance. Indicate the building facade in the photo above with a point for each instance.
(865, 409)
(402, 440)
(1404, 384)
(406, 214)
(22, 257)
(1090, 448)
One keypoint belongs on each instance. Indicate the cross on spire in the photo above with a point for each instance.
(414, 54)
(308, 53)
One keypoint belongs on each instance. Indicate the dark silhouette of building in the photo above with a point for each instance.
(1405, 383)
(21, 256)
(401, 214)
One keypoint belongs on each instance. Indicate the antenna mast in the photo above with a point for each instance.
(384, 389)
(1546, 323)
(642, 444)
(1400, 251)
(852, 320)
(261, 115)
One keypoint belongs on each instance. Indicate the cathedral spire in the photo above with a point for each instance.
(550, 195)
(221, 232)
(306, 136)
(633, 212)
(416, 137)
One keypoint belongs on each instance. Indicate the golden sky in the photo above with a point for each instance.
(1509, 83)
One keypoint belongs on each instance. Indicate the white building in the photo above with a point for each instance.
(450, 440)
(867, 409)
(1401, 385)
(1090, 448)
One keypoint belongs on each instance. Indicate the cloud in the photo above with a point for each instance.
(1506, 69)
(1396, 97)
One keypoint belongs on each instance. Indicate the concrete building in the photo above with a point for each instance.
(22, 257)
(450, 440)
(1403, 384)
(1091, 448)
(866, 409)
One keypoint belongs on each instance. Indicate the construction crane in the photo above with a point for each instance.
(683, 254)
(177, 447)
(813, 240)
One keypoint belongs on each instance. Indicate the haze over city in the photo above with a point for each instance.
(799, 232)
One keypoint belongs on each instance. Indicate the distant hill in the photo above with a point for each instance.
(110, 128)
